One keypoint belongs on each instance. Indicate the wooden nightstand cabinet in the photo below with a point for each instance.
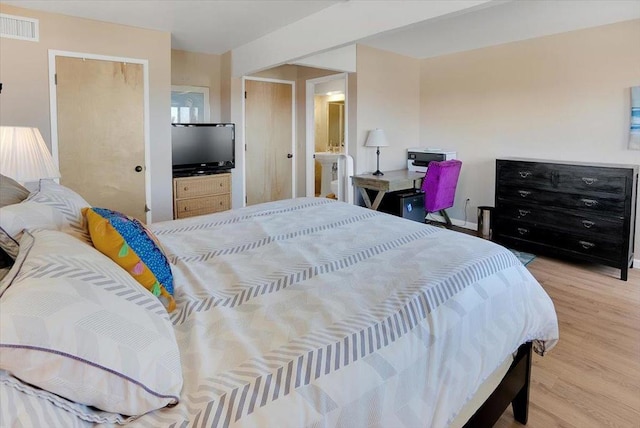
(201, 195)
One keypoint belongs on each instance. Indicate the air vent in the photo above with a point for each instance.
(19, 27)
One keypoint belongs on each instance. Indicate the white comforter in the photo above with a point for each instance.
(310, 313)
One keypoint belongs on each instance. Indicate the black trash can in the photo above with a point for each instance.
(485, 228)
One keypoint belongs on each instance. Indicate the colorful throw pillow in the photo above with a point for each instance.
(134, 248)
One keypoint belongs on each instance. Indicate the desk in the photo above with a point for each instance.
(391, 180)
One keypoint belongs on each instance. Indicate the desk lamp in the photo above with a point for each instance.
(377, 139)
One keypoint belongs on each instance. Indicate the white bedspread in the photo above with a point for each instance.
(311, 313)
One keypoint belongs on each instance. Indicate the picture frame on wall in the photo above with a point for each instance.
(634, 131)
(190, 104)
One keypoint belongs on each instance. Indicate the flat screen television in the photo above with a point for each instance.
(202, 148)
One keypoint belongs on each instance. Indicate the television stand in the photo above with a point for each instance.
(200, 194)
(197, 172)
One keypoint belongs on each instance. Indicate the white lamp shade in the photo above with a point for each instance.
(24, 155)
(376, 138)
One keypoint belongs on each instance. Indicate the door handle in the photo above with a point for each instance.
(138, 168)
(289, 155)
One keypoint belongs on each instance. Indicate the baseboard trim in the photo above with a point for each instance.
(636, 264)
(454, 221)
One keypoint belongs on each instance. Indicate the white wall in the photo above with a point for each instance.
(199, 69)
(561, 97)
(341, 59)
(388, 97)
(355, 20)
(25, 94)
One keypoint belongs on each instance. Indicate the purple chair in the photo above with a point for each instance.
(439, 187)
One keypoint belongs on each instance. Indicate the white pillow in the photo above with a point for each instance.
(74, 323)
(52, 207)
(7, 243)
(8, 278)
(14, 219)
(66, 202)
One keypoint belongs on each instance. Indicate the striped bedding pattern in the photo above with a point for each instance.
(311, 312)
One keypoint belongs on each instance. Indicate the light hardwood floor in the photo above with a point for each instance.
(592, 377)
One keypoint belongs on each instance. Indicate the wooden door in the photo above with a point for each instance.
(100, 109)
(268, 135)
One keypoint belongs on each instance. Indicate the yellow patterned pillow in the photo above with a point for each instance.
(134, 248)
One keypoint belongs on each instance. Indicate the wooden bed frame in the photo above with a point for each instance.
(514, 389)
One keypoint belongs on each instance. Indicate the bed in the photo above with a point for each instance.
(311, 312)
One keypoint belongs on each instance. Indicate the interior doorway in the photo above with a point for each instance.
(99, 125)
(269, 129)
(327, 131)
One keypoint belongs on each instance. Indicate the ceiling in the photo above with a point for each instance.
(217, 26)
(503, 22)
(213, 26)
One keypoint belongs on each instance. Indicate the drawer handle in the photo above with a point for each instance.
(523, 231)
(186, 209)
(586, 244)
(186, 188)
(589, 181)
(588, 223)
(524, 174)
(524, 193)
(589, 202)
(523, 213)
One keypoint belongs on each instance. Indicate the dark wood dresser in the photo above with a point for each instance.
(584, 211)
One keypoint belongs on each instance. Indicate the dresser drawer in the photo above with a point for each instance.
(592, 246)
(521, 230)
(610, 205)
(580, 222)
(200, 195)
(580, 179)
(564, 178)
(200, 206)
(524, 174)
(191, 187)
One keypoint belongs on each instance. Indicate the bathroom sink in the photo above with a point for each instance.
(323, 157)
(326, 160)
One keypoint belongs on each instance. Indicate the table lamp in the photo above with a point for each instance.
(24, 155)
(377, 139)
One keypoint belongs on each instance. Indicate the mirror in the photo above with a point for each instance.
(335, 127)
